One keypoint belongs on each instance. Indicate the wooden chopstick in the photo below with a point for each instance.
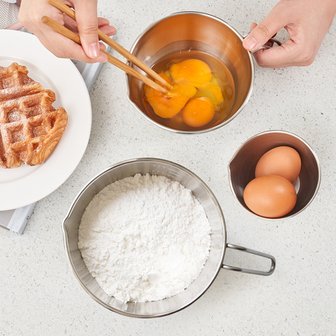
(113, 44)
(57, 27)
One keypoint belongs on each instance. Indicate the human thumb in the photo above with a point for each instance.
(87, 21)
(262, 32)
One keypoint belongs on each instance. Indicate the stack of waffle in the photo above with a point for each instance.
(30, 127)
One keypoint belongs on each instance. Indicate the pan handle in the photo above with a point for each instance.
(268, 45)
(246, 270)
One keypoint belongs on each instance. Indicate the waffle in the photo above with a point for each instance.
(30, 127)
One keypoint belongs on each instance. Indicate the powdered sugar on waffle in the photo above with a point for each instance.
(144, 238)
(30, 127)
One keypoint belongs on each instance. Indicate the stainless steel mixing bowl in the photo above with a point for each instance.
(194, 31)
(218, 238)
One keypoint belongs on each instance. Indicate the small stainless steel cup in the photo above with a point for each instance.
(194, 31)
(242, 166)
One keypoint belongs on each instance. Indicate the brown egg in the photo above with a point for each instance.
(284, 161)
(270, 196)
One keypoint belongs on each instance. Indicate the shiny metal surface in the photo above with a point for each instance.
(199, 31)
(269, 44)
(242, 166)
(218, 237)
(250, 251)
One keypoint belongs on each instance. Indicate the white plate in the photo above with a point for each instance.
(25, 185)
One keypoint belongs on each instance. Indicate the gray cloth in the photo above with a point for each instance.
(8, 13)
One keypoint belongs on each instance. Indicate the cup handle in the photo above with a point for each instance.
(269, 44)
(247, 270)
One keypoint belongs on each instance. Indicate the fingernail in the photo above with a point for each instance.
(93, 51)
(102, 58)
(250, 43)
(112, 30)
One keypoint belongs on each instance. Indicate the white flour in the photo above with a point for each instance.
(144, 238)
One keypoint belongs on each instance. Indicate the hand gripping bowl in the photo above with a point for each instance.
(218, 238)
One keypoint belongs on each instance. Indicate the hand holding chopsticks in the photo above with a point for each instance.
(162, 86)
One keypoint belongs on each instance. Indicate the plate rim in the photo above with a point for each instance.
(9, 199)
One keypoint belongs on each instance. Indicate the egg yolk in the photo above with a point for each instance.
(198, 112)
(212, 91)
(193, 71)
(170, 104)
(195, 93)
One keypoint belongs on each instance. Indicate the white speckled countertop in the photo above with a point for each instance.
(40, 296)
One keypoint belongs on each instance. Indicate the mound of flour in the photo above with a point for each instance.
(144, 238)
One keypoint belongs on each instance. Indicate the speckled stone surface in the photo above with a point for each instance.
(40, 296)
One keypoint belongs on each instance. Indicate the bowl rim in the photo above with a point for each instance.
(93, 180)
(276, 132)
(225, 122)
